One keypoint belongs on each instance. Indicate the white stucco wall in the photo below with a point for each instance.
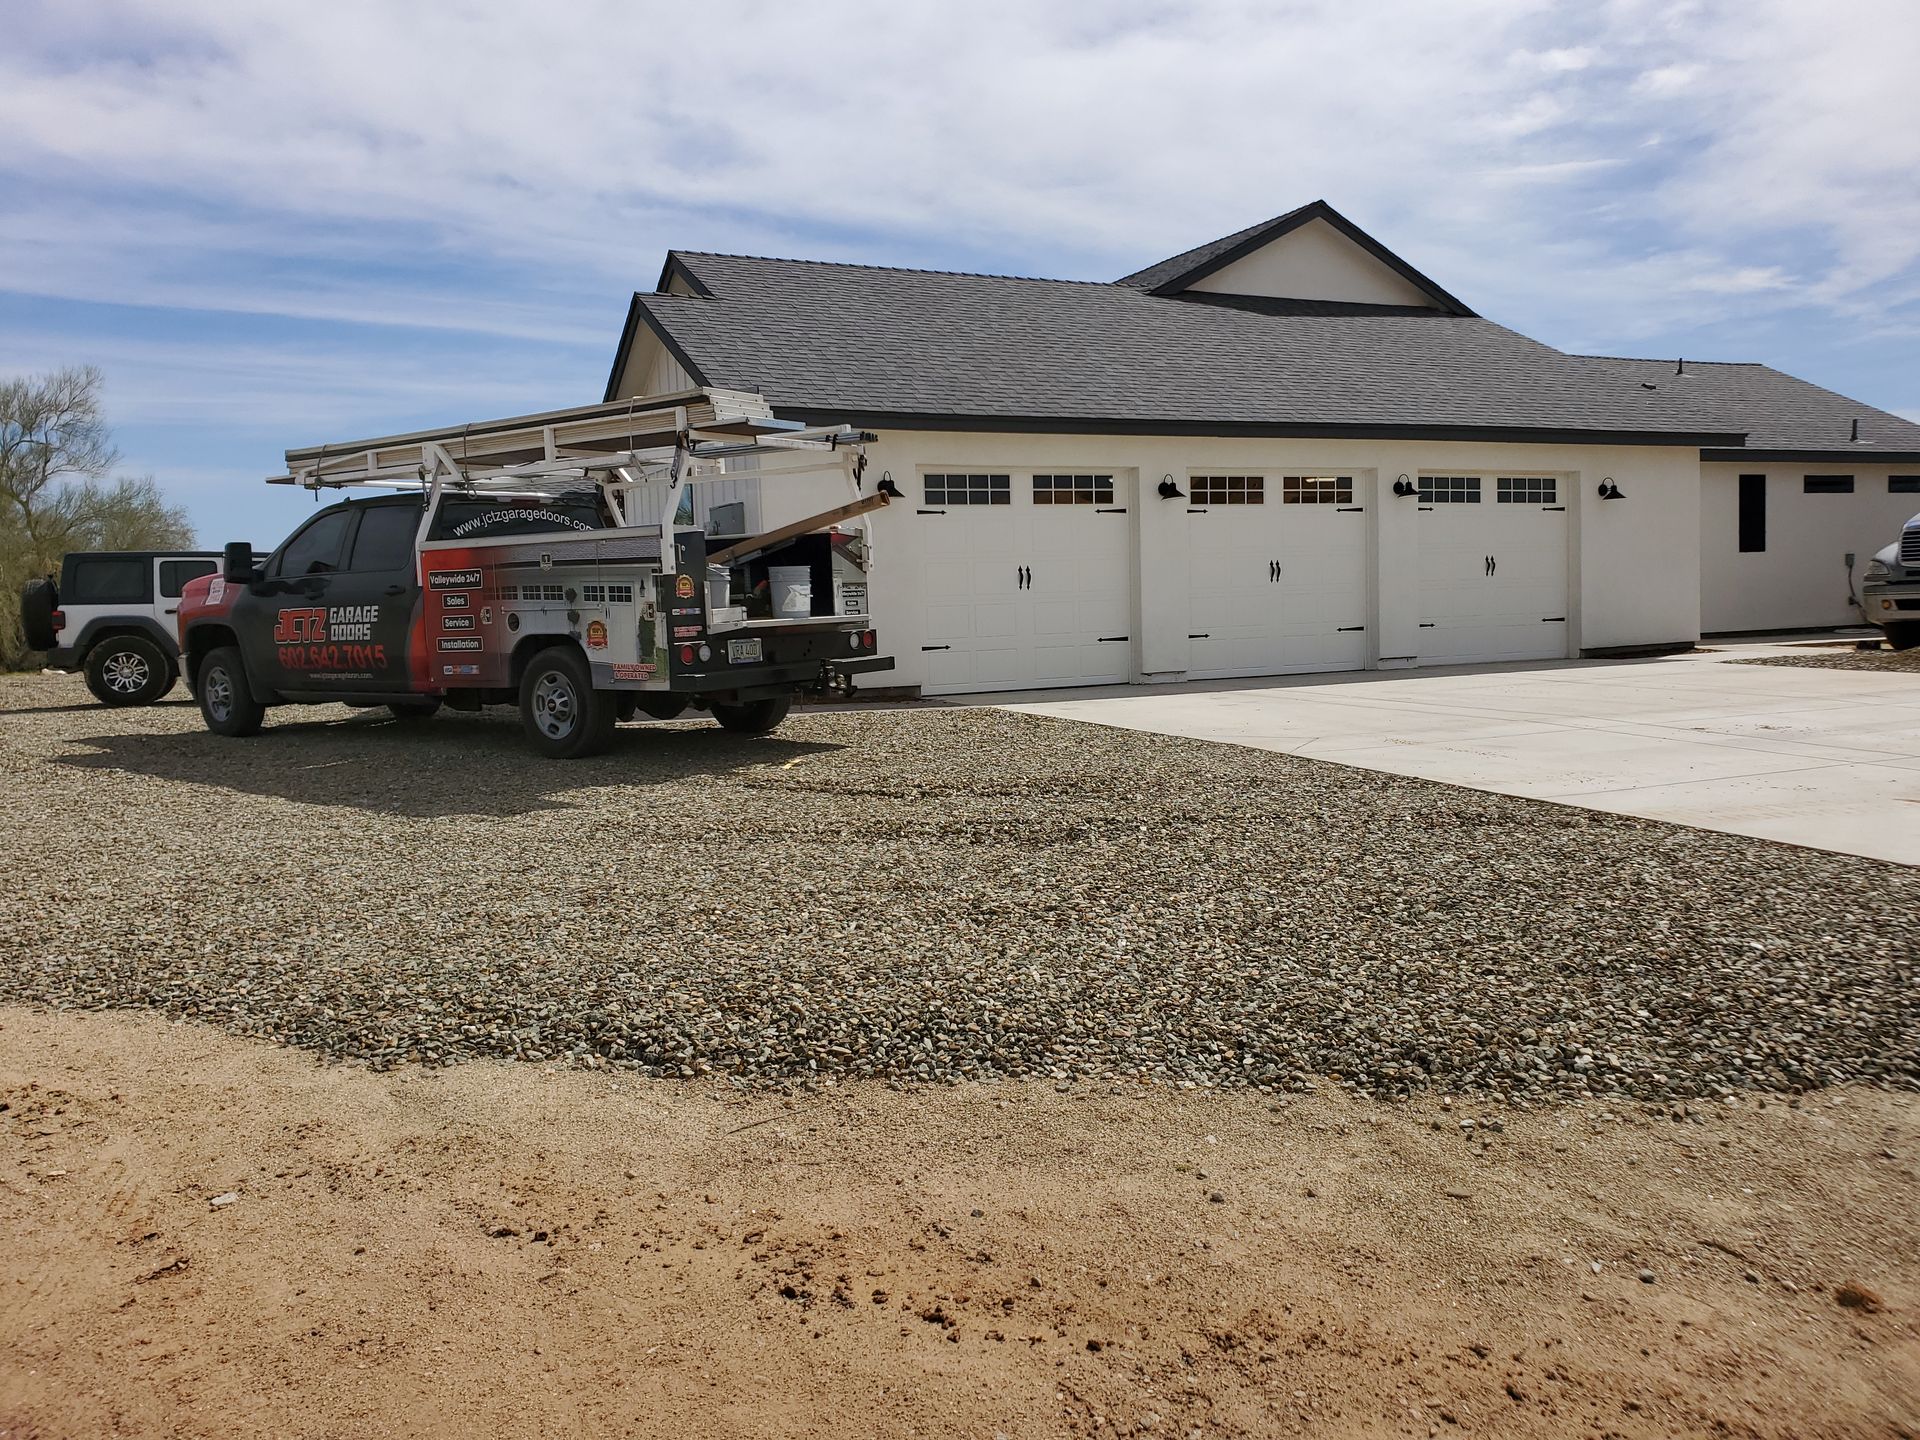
(1315, 262)
(1633, 565)
(1800, 579)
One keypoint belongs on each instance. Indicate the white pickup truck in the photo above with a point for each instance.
(1890, 590)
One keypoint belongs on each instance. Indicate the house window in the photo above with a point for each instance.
(1450, 489)
(1527, 490)
(1316, 490)
(1228, 489)
(969, 489)
(1753, 513)
(1073, 489)
(1903, 484)
(1828, 484)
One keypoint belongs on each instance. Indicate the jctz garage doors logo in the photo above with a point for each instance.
(323, 637)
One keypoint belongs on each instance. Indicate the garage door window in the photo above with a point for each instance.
(969, 490)
(1450, 489)
(1073, 489)
(1316, 490)
(1229, 489)
(1527, 490)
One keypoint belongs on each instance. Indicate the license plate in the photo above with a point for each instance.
(744, 652)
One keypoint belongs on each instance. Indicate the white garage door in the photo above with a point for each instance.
(1278, 569)
(1493, 568)
(1028, 580)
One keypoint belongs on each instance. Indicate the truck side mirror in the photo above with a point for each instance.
(236, 563)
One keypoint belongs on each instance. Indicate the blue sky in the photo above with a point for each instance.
(278, 225)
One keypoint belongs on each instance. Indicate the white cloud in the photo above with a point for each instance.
(1667, 80)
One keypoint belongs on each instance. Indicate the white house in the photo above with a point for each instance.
(1285, 450)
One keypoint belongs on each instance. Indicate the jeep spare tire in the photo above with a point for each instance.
(129, 670)
(38, 600)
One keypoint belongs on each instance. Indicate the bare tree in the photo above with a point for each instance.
(55, 494)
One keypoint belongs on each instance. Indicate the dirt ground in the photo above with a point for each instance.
(506, 1249)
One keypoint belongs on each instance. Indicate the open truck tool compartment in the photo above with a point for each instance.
(586, 565)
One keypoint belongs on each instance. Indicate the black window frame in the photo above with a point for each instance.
(1227, 489)
(1316, 489)
(1053, 487)
(955, 487)
(1751, 519)
(171, 591)
(1460, 490)
(1826, 484)
(1526, 490)
(410, 513)
(345, 518)
(1903, 484)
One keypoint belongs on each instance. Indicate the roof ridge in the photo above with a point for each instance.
(898, 269)
(1671, 360)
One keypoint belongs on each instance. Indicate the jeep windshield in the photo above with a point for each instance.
(463, 517)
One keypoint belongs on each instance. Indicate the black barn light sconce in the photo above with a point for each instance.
(1169, 490)
(1610, 491)
(887, 487)
(1404, 487)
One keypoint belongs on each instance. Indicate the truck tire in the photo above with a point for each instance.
(226, 700)
(414, 711)
(38, 600)
(756, 717)
(563, 715)
(129, 670)
(1902, 637)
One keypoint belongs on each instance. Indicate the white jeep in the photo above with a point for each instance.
(111, 616)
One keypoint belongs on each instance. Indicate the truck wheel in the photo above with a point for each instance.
(38, 600)
(1902, 637)
(414, 711)
(226, 700)
(756, 717)
(563, 715)
(128, 670)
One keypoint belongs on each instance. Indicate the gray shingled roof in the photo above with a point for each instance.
(1779, 412)
(865, 341)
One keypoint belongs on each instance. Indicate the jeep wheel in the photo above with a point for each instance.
(226, 700)
(1902, 637)
(129, 670)
(563, 715)
(756, 717)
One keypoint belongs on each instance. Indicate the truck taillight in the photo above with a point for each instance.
(867, 639)
(686, 654)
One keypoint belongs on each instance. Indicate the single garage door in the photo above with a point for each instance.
(1493, 568)
(1028, 580)
(1278, 570)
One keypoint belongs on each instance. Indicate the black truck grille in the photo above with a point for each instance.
(1910, 545)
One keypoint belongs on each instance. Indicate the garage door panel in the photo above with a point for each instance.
(1493, 581)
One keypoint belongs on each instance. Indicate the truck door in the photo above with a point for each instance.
(284, 630)
(373, 599)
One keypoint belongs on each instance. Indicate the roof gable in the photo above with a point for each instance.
(1312, 253)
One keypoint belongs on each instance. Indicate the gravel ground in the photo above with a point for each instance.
(1887, 661)
(928, 894)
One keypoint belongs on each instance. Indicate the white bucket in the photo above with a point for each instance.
(719, 588)
(792, 587)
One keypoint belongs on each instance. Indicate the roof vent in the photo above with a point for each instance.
(1680, 366)
(1855, 436)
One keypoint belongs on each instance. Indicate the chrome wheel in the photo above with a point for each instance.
(216, 691)
(556, 705)
(127, 673)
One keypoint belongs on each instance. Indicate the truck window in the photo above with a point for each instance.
(174, 575)
(385, 538)
(464, 518)
(110, 580)
(316, 549)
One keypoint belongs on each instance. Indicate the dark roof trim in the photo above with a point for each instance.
(1293, 220)
(638, 314)
(675, 266)
(1835, 457)
(1066, 425)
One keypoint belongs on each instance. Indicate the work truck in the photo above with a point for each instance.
(588, 565)
(1890, 593)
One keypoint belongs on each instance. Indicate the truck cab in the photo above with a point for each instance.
(1890, 590)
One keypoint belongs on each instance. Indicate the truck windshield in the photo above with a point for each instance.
(464, 518)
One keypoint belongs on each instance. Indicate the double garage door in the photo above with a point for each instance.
(1029, 576)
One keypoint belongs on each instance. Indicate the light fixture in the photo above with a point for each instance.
(1609, 490)
(887, 487)
(1169, 490)
(1404, 487)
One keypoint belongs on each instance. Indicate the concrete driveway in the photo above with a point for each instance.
(1826, 758)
